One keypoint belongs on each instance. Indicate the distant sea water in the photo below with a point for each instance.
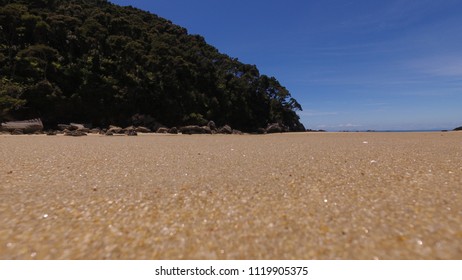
(397, 130)
(414, 130)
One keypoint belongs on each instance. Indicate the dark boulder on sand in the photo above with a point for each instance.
(173, 130)
(225, 130)
(63, 127)
(458, 128)
(115, 129)
(193, 129)
(156, 125)
(146, 123)
(75, 133)
(162, 130)
(212, 126)
(275, 128)
(142, 129)
(86, 130)
(131, 132)
(17, 131)
(261, 130)
(237, 132)
(78, 126)
(207, 130)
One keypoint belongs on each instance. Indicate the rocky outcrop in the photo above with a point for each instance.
(115, 129)
(63, 127)
(142, 129)
(207, 130)
(194, 129)
(28, 126)
(156, 125)
(274, 128)
(237, 132)
(212, 126)
(145, 121)
(73, 126)
(173, 130)
(17, 131)
(77, 126)
(131, 132)
(162, 130)
(225, 130)
(261, 130)
(75, 133)
(86, 130)
(458, 128)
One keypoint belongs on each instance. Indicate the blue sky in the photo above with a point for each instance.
(353, 65)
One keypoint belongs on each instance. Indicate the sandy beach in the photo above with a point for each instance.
(281, 196)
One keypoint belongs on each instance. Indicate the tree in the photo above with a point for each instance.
(93, 61)
(36, 61)
(10, 97)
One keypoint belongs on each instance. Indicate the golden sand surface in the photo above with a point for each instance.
(281, 196)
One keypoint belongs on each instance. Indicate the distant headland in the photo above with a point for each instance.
(96, 62)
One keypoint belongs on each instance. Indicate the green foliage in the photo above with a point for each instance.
(92, 61)
(195, 119)
(10, 97)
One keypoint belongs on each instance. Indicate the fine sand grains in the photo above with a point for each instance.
(281, 196)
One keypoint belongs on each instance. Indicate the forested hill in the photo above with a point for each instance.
(96, 62)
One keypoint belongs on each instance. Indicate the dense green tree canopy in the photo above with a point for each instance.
(96, 62)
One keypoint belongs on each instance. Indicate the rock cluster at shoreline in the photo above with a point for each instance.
(76, 129)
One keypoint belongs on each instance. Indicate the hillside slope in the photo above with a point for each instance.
(96, 62)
